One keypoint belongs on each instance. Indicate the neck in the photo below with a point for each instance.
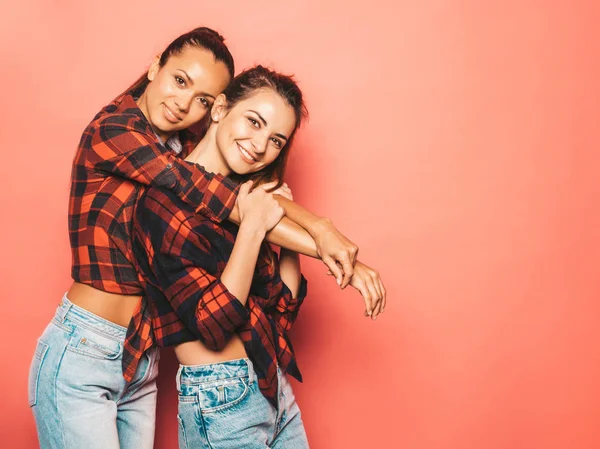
(208, 155)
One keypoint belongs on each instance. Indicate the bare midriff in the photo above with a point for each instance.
(195, 353)
(113, 307)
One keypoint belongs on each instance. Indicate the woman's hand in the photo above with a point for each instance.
(282, 190)
(335, 250)
(258, 209)
(368, 282)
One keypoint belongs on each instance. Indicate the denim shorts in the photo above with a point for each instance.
(77, 392)
(222, 407)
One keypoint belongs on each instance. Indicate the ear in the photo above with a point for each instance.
(219, 109)
(154, 68)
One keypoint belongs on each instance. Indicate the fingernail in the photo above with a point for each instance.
(338, 282)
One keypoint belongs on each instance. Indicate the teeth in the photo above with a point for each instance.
(245, 153)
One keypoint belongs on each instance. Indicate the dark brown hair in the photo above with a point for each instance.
(201, 37)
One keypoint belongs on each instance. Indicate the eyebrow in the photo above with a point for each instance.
(205, 94)
(265, 124)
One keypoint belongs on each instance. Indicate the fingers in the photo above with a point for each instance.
(380, 290)
(268, 185)
(284, 191)
(375, 298)
(366, 294)
(245, 189)
(384, 299)
(353, 253)
(348, 268)
(334, 269)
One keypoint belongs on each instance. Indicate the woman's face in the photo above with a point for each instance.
(252, 133)
(182, 91)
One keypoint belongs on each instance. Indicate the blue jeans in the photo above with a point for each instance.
(221, 407)
(77, 391)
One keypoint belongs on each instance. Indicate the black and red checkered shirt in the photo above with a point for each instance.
(118, 153)
(180, 257)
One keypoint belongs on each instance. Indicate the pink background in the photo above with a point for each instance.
(455, 141)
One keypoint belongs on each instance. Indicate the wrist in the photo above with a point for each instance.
(320, 225)
(251, 229)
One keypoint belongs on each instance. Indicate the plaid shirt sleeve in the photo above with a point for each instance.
(286, 309)
(123, 145)
(177, 262)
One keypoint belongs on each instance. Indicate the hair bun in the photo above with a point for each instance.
(209, 31)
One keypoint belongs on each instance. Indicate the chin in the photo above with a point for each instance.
(240, 170)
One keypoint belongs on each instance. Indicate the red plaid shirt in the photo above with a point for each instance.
(180, 257)
(117, 147)
(118, 153)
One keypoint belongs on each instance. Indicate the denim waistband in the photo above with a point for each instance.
(193, 374)
(68, 311)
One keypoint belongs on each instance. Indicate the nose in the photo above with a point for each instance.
(184, 102)
(259, 143)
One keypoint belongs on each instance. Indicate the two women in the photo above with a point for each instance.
(77, 390)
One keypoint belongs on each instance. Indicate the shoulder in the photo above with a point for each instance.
(121, 122)
(120, 115)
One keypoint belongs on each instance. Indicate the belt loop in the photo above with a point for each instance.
(65, 306)
(178, 378)
(250, 370)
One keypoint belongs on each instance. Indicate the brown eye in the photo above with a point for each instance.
(179, 80)
(277, 142)
(254, 122)
(204, 101)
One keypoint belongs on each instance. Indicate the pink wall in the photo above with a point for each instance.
(455, 141)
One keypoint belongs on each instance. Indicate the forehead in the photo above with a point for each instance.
(279, 115)
(205, 72)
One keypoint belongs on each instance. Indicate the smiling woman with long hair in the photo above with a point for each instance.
(218, 292)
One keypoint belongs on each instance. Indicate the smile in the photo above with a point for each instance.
(245, 155)
(171, 116)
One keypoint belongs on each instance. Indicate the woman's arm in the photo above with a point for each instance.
(303, 232)
(124, 145)
(259, 212)
(369, 284)
(333, 247)
(175, 259)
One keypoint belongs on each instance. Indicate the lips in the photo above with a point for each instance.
(171, 116)
(246, 156)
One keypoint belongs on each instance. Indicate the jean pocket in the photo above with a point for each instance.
(34, 371)
(222, 394)
(94, 345)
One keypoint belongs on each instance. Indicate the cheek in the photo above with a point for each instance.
(164, 88)
(271, 156)
(238, 128)
(197, 113)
